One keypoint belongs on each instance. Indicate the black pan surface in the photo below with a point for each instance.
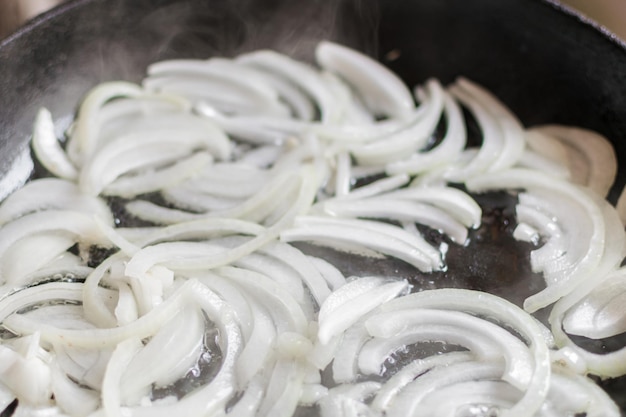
(545, 62)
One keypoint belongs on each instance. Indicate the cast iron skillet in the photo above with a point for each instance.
(547, 63)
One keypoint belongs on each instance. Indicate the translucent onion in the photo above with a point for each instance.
(408, 140)
(510, 126)
(572, 393)
(49, 194)
(395, 328)
(473, 397)
(145, 326)
(182, 339)
(408, 401)
(457, 203)
(218, 81)
(390, 389)
(299, 73)
(349, 303)
(378, 187)
(400, 210)
(155, 180)
(446, 151)
(170, 137)
(593, 148)
(383, 92)
(348, 400)
(506, 313)
(600, 314)
(595, 246)
(31, 253)
(69, 396)
(83, 137)
(384, 238)
(48, 149)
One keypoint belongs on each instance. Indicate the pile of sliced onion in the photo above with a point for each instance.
(168, 261)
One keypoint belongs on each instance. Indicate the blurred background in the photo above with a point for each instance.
(609, 13)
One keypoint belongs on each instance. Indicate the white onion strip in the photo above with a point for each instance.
(51, 194)
(83, 137)
(504, 312)
(520, 178)
(595, 148)
(299, 73)
(519, 362)
(447, 151)
(145, 326)
(400, 210)
(408, 140)
(381, 89)
(390, 389)
(349, 303)
(48, 149)
(387, 239)
(407, 402)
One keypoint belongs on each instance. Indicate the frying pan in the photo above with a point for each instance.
(548, 64)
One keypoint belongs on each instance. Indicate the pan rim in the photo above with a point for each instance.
(556, 5)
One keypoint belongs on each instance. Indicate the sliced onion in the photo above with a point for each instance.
(520, 178)
(408, 401)
(378, 187)
(26, 374)
(83, 137)
(493, 141)
(595, 149)
(390, 389)
(447, 151)
(250, 399)
(145, 326)
(31, 253)
(301, 74)
(382, 90)
(300, 263)
(111, 387)
(572, 393)
(69, 396)
(283, 320)
(181, 337)
(257, 353)
(351, 302)
(408, 140)
(471, 398)
(283, 390)
(348, 400)
(181, 259)
(330, 273)
(48, 149)
(284, 309)
(533, 160)
(456, 202)
(151, 181)
(170, 137)
(345, 352)
(51, 194)
(506, 313)
(342, 175)
(510, 126)
(462, 329)
(246, 130)
(217, 80)
(600, 314)
(400, 210)
(384, 238)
